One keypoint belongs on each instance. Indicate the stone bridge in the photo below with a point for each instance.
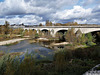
(55, 29)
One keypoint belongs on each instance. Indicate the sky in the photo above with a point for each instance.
(34, 12)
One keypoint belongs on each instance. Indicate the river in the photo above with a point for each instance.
(38, 51)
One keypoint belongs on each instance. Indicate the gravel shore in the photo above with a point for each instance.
(11, 41)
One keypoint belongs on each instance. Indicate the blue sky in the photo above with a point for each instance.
(1, 0)
(33, 12)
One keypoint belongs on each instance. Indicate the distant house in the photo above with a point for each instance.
(17, 26)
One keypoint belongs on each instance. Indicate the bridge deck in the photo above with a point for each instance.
(62, 26)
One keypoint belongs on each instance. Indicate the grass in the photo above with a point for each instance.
(65, 62)
(16, 53)
(11, 44)
(11, 54)
(1, 54)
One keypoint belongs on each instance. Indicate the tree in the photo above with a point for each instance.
(21, 31)
(6, 27)
(2, 31)
(83, 39)
(35, 34)
(49, 34)
(70, 36)
(50, 23)
(59, 36)
(75, 23)
(40, 24)
(26, 33)
(90, 39)
(47, 23)
(78, 36)
(78, 33)
(39, 33)
(97, 35)
(11, 33)
(31, 33)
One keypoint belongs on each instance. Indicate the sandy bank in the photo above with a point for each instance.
(42, 39)
(11, 41)
(62, 43)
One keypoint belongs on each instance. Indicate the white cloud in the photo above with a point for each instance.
(9, 7)
(76, 12)
(36, 11)
(27, 19)
(79, 14)
(94, 21)
(40, 8)
(81, 21)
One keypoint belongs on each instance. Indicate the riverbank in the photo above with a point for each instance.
(12, 41)
(62, 43)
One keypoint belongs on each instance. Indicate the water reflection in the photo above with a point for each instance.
(35, 48)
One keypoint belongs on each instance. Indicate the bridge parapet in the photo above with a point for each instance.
(62, 26)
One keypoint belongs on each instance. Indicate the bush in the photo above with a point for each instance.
(66, 62)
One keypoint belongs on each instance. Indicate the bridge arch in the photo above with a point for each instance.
(61, 34)
(96, 35)
(60, 30)
(44, 30)
(45, 33)
(34, 29)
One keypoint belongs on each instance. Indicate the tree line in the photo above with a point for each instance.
(49, 23)
(6, 32)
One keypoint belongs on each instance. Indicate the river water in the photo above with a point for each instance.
(38, 51)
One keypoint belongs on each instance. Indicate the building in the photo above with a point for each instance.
(17, 26)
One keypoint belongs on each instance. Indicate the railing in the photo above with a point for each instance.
(80, 26)
(62, 26)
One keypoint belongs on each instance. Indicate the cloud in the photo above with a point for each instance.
(36, 11)
(16, 7)
(96, 9)
(12, 7)
(88, 21)
(81, 21)
(40, 8)
(26, 19)
(79, 14)
(87, 2)
(76, 13)
(90, 3)
(91, 19)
